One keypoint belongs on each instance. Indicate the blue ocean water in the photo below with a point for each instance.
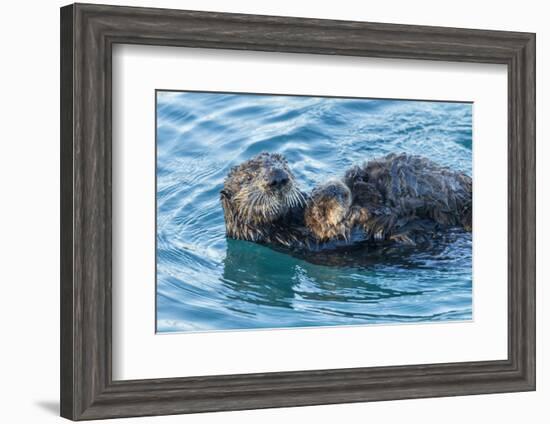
(206, 282)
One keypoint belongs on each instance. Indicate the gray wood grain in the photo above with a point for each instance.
(88, 33)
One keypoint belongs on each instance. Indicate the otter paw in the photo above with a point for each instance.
(327, 209)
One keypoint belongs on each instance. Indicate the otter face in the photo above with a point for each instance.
(259, 191)
(327, 209)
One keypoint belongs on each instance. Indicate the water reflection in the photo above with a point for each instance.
(253, 273)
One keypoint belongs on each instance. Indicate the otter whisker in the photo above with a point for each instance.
(269, 206)
(295, 199)
(290, 199)
(273, 207)
(300, 196)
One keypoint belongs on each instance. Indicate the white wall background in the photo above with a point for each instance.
(29, 224)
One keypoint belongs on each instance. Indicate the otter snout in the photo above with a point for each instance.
(277, 178)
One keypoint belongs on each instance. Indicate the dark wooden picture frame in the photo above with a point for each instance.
(88, 33)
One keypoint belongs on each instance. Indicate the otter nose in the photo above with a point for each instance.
(277, 178)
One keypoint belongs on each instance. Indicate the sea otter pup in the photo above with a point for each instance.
(395, 199)
(327, 212)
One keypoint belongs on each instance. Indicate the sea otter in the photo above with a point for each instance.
(402, 199)
(262, 203)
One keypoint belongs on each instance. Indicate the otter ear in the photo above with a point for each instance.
(225, 194)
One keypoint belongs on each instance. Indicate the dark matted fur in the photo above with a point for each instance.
(398, 198)
(401, 196)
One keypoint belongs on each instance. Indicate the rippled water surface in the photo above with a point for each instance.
(207, 282)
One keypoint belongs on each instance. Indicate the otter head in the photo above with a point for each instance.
(257, 193)
(327, 210)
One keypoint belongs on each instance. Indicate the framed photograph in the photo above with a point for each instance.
(263, 211)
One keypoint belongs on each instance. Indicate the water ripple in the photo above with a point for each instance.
(205, 282)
